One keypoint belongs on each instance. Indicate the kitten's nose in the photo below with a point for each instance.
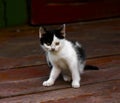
(52, 49)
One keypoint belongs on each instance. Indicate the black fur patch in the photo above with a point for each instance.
(48, 36)
(79, 50)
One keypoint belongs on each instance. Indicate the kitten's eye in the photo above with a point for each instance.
(57, 43)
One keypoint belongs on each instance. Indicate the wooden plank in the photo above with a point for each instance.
(25, 61)
(19, 74)
(35, 71)
(33, 84)
(100, 38)
(102, 92)
(111, 61)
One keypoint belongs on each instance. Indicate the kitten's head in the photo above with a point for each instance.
(52, 40)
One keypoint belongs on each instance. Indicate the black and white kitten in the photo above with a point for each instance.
(63, 56)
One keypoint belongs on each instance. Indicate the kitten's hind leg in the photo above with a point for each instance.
(75, 75)
(66, 78)
(81, 67)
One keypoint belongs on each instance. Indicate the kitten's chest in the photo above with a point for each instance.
(59, 60)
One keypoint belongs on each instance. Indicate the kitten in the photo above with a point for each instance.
(63, 56)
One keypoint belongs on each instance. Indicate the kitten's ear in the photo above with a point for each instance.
(62, 30)
(42, 31)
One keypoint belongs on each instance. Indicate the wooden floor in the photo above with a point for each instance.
(23, 67)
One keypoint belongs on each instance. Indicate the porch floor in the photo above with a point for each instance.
(23, 67)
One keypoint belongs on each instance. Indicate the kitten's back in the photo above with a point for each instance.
(79, 50)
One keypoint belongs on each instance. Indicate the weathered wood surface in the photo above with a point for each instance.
(23, 67)
(99, 38)
(29, 80)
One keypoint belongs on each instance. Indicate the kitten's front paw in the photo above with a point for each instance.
(48, 83)
(75, 84)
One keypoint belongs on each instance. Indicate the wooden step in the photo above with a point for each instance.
(27, 82)
(23, 66)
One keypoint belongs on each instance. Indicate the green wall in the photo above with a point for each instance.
(13, 12)
(2, 22)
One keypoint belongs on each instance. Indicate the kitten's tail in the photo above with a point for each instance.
(90, 67)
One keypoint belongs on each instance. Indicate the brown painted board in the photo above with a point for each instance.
(62, 11)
